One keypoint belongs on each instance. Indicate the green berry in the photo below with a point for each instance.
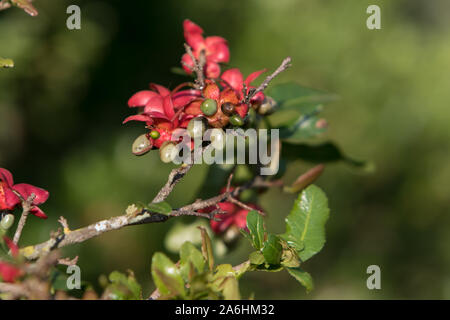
(7, 221)
(168, 151)
(228, 108)
(154, 134)
(141, 145)
(236, 120)
(209, 107)
(196, 127)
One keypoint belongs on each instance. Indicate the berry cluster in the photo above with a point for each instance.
(219, 102)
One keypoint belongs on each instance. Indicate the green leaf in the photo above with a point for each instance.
(303, 277)
(321, 153)
(6, 63)
(256, 257)
(272, 250)
(124, 287)
(160, 207)
(207, 248)
(167, 276)
(255, 225)
(305, 224)
(230, 289)
(189, 254)
(291, 96)
(303, 128)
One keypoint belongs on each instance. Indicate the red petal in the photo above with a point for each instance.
(6, 176)
(242, 110)
(187, 60)
(233, 77)
(12, 246)
(184, 97)
(141, 98)
(217, 49)
(9, 272)
(253, 76)
(212, 70)
(193, 34)
(240, 219)
(154, 104)
(139, 117)
(168, 107)
(26, 190)
(161, 90)
(38, 213)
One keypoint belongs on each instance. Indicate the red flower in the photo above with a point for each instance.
(163, 110)
(234, 79)
(216, 49)
(9, 200)
(9, 272)
(234, 216)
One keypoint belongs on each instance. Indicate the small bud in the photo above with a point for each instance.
(228, 108)
(168, 151)
(209, 107)
(268, 106)
(7, 221)
(154, 134)
(141, 145)
(196, 127)
(236, 120)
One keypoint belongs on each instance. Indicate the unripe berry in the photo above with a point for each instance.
(168, 151)
(236, 120)
(7, 221)
(196, 127)
(268, 106)
(154, 134)
(228, 108)
(209, 107)
(141, 145)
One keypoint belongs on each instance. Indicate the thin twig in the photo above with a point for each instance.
(286, 63)
(198, 66)
(27, 205)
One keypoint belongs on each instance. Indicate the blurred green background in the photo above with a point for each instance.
(62, 105)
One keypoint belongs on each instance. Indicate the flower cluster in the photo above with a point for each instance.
(220, 102)
(11, 195)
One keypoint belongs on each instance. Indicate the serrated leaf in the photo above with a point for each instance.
(272, 250)
(255, 225)
(305, 224)
(321, 153)
(190, 255)
(161, 207)
(167, 276)
(303, 277)
(207, 248)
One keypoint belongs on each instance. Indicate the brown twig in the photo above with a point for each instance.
(286, 63)
(27, 205)
(197, 67)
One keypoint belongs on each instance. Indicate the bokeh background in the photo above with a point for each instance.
(62, 105)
